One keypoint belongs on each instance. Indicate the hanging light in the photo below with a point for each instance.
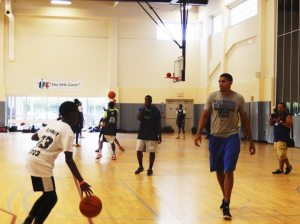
(61, 2)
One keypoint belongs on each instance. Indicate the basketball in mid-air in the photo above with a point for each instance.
(111, 94)
(90, 206)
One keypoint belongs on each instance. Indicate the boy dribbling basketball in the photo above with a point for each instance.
(53, 139)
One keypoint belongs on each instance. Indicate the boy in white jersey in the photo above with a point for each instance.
(53, 139)
(224, 108)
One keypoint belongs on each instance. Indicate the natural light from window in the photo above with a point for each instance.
(216, 24)
(243, 11)
(38, 110)
(176, 31)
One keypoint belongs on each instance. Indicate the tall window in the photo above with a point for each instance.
(38, 110)
(176, 31)
(243, 11)
(216, 24)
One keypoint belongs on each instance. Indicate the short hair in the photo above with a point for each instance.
(111, 104)
(66, 108)
(149, 97)
(77, 102)
(282, 103)
(227, 76)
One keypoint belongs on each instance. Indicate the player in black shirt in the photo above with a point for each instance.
(149, 133)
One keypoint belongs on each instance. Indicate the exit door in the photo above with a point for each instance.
(172, 105)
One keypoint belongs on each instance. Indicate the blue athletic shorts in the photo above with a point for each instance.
(224, 153)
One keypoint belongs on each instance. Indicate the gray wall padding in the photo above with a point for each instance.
(2, 113)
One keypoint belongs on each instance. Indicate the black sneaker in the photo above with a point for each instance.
(288, 169)
(226, 212)
(278, 172)
(149, 172)
(223, 204)
(97, 150)
(140, 169)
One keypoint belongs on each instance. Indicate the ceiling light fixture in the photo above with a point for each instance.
(61, 2)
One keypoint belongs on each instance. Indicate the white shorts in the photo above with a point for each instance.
(110, 138)
(149, 145)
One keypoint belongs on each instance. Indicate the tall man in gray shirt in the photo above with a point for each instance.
(225, 107)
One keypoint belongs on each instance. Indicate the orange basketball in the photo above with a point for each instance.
(90, 206)
(111, 94)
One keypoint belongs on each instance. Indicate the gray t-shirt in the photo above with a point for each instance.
(224, 112)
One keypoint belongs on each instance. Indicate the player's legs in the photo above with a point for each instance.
(139, 154)
(119, 145)
(113, 148)
(151, 162)
(100, 145)
(183, 131)
(179, 130)
(280, 149)
(48, 202)
(76, 137)
(44, 204)
(151, 147)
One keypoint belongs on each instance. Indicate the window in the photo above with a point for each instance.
(216, 24)
(243, 11)
(176, 31)
(38, 110)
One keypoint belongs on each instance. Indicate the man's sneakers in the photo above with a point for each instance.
(288, 169)
(149, 172)
(139, 170)
(278, 171)
(99, 156)
(121, 148)
(222, 205)
(226, 210)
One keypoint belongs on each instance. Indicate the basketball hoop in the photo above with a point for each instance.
(173, 77)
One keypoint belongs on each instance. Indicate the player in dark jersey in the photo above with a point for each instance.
(180, 121)
(109, 129)
(149, 133)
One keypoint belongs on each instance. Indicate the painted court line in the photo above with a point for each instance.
(140, 199)
(14, 217)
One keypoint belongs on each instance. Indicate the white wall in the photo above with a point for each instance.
(58, 49)
(116, 48)
(111, 52)
(240, 50)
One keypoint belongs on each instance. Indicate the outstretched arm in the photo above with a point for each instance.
(85, 187)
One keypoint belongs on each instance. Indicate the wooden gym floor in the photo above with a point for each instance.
(181, 191)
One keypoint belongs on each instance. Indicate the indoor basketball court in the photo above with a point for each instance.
(121, 51)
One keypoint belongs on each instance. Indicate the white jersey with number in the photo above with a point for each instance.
(55, 138)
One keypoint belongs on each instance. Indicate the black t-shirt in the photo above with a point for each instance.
(180, 116)
(149, 124)
(110, 120)
(281, 133)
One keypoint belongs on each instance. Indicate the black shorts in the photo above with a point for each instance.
(44, 184)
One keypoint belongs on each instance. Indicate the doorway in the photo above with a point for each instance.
(171, 107)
